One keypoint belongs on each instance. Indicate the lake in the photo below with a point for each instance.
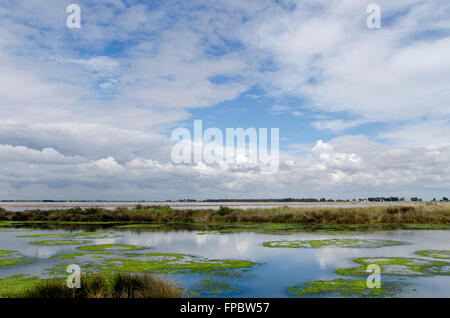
(240, 262)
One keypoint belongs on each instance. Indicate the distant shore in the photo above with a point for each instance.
(429, 213)
(131, 204)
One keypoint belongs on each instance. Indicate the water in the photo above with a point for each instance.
(277, 268)
(21, 206)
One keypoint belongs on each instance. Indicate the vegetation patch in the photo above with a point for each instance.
(111, 248)
(11, 258)
(172, 263)
(79, 256)
(398, 266)
(214, 288)
(354, 243)
(79, 235)
(442, 254)
(57, 242)
(343, 287)
(13, 285)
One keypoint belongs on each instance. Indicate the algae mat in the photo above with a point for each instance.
(354, 243)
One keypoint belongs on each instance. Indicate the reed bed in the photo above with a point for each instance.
(119, 285)
(425, 214)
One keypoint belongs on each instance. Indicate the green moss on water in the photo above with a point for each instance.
(353, 243)
(11, 258)
(79, 235)
(172, 263)
(343, 287)
(57, 242)
(212, 288)
(398, 266)
(441, 254)
(74, 256)
(111, 247)
(141, 225)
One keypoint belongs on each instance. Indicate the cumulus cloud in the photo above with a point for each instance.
(87, 113)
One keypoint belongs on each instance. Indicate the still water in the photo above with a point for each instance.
(275, 268)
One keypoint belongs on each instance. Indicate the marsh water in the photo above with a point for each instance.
(274, 269)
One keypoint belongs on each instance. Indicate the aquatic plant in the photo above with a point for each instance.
(354, 243)
(78, 235)
(10, 258)
(441, 254)
(343, 287)
(172, 263)
(398, 266)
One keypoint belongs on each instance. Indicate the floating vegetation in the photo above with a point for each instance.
(441, 254)
(78, 235)
(398, 266)
(172, 263)
(141, 225)
(343, 287)
(355, 243)
(76, 256)
(11, 258)
(209, 233)
(325, 232)
(213, 287)
(57, 242)
(111, 247)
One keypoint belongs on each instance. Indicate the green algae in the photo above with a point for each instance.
(16, 284)
(325, 232)
(441, 254)
(172, 263)
(74, 256)
(212, 288)
(111, 247)
(398, 266)
(79, 235)
(353, 243)
(141, 225)
(57, 242)
(343, 287)
(12, 258)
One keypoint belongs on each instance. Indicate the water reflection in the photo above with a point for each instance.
(277, 267)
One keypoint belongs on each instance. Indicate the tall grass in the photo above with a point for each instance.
(436, 213)
(120, 285)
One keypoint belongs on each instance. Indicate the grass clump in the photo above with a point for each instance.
(56, 242)
(172, 263)
(119, 285)
(11, 258)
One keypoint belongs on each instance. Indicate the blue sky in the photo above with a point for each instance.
(88, 113)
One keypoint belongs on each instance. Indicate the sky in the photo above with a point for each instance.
(88, 113)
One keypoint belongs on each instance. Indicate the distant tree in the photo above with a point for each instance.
(415, 199)
(444, 199)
